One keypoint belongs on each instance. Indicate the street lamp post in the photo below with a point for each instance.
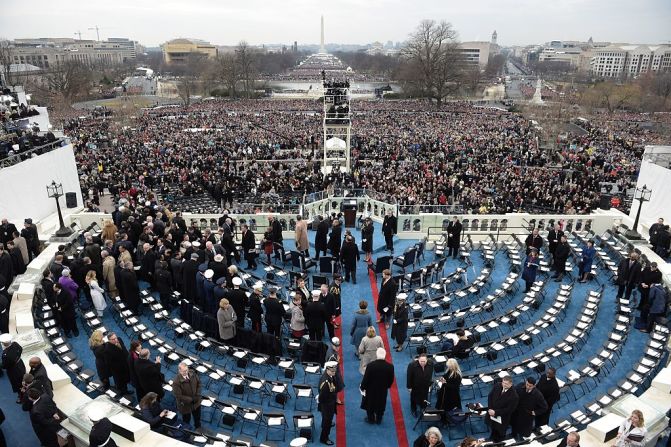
(55, 190)
(642, 195)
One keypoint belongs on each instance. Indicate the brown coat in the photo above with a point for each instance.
(187, 394)
(108, 275)
(302, 242)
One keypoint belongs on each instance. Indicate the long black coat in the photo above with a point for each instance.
(129, 285)
(387, 295)
(189, 270)
(101, 362)
(335, 239)
(528, 402)
(389, 225)
(399, 329)
(367, 238)
(6, 268)
(377, 380)
(628, 276)
(449, 396)
(149, 375)
(249, 245)
(321, 236)
(315, 314)
(274, 311)
(117, 361)
(419, 380)
(255, 308)
(12, 363)
(163, 281)
(503, 404)
(349, 254)
(238, 299)
(554, 237)
(277, 231)
(454, 233)
(561, 253)
(43, 422)
(549, 388)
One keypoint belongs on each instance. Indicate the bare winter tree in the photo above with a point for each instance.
(435, 62)
(67, 82)
(191, 76)
(228, 72)
(245, 57)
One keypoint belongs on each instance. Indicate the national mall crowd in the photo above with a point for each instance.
(484, 160)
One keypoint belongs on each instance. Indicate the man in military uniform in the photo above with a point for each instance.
(334, 289)
(327, 400)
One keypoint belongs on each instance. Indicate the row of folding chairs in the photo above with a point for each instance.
(424, 336)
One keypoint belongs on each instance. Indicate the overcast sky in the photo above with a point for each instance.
(225, 22)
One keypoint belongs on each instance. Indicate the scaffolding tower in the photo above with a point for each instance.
(337, 126)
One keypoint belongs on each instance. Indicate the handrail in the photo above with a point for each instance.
(18, 158)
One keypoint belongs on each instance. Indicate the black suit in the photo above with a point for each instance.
(389, 230)
(386, 298)
(549, 388)
(530, 404)
(377, 379)
(419, 381)
(43, 422)
(453, 238)
(628, 273)
(533, 241)
(503, 405)
(349, 255)
(554, 237)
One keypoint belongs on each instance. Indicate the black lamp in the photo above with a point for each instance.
(55, 190)
(642, 195)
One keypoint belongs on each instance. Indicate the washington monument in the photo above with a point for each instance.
(322, 48)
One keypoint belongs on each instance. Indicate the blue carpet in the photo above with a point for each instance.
(359, 433)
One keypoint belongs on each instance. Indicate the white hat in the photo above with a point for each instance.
(335, 341)
(218, 258)
(258, 286)
(96, 413)
(402, 296)
(331, 365)
(6, 339)
(209, 273)
(195, 244)
(237, 281)
(316, 292)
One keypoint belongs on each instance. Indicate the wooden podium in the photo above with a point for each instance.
(350, 218)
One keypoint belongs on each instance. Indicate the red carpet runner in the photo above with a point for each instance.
(401, 435)
(341, 433)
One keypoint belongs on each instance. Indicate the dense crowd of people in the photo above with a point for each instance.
(483, 160)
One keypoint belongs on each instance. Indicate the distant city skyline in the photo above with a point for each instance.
(517, 22)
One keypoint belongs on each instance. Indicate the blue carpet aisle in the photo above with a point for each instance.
(17, 429)
(356, 432)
